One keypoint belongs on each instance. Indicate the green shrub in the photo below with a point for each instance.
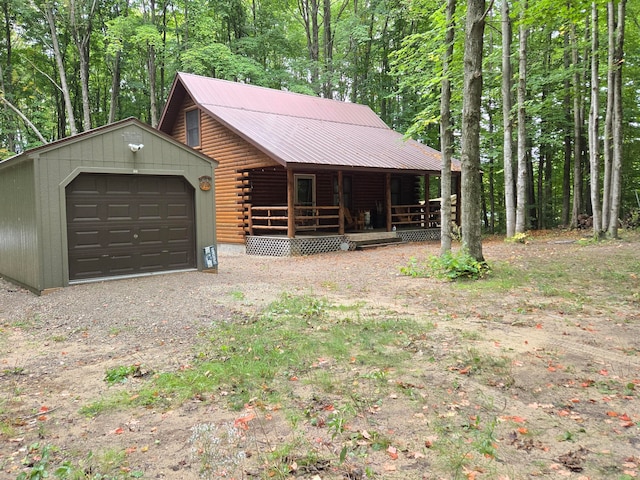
(448, 266)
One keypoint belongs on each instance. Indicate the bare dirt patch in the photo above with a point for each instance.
(536, 375)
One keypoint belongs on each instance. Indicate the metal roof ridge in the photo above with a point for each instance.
(383, 125)
(286, 92)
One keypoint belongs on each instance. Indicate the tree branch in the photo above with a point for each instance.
(484, 15)
(24, 118)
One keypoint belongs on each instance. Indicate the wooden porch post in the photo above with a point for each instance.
(387, 199)
(340, 204)
(427, 214)
(291, 221)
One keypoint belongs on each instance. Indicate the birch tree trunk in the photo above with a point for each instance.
(115, 88)
(507, 119)
(63, 76)
(594, 140)
(616, 173)
(471, 218)
(522, 196)
(446, 134)
(608, 120)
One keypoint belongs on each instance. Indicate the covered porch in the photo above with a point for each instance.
(292, 203)
(286, 211)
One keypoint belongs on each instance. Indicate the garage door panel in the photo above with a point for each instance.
(87, 213)
(112, 232)
(177, 210)
(120, 212)
(150, 211)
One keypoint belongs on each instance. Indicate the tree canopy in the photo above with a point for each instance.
(67, 66)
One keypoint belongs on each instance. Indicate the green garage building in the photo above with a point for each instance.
(120, 200)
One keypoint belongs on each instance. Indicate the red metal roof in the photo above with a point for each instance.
(302, 130)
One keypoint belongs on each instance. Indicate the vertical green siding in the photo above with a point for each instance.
(18, 234)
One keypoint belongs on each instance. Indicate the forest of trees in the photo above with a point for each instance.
(559, 110)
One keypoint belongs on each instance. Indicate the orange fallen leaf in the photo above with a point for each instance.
(43, 409)
(604, 372)
(393, 452)
(464, 371)
(243, 422)
(523, 431)
(118, 431)
(611, 414)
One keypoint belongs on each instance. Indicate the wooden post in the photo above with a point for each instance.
(291, 220)
(427, 214)
(250, 218)
(340, 204)
(458, 198)
(387, 199)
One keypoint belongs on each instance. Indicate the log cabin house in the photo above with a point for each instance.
(300, 174)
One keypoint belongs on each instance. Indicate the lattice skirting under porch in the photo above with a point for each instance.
(422, 235)
(290, 247)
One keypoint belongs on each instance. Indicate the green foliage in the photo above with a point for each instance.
(121, 373)
(448, 266)
(517, 238)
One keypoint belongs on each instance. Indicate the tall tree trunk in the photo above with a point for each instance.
(151, 70)
(6, 87)
(115, 88)
(608, 121)
(507, 118)
(446, 134)
(522, 196)
(82, 36)
(594, 139)
(577, 132)
(545, 166)
(151, 66)
(616, 174)
(470, 155)
(327, 84)
(309, 12)
(566, 107)
(63, 76)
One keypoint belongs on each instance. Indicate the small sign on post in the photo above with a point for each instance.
(210, 259)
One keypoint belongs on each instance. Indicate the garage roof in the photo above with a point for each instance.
(99, 131)
(302, 130)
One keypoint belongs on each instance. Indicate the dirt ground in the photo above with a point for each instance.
(566, 404)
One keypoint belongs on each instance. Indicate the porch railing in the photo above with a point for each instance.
(311, 218)
(416, 216)
(305, 218)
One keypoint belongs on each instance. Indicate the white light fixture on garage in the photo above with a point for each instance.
(136, 147)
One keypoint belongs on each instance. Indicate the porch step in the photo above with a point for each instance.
(374, 239)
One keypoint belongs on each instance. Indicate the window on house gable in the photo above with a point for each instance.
(192, 119)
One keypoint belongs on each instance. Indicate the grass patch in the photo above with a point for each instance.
(255, 359)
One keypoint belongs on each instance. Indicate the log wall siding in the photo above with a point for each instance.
(234, 155)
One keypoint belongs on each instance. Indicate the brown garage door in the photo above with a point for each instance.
(129, 224)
